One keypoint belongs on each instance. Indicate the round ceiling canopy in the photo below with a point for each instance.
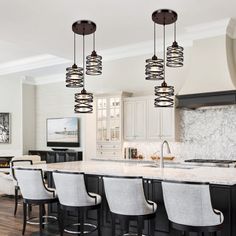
(164, 16)
(84, 27)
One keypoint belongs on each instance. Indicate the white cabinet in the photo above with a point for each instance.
(143, 121)
(135, 120)
(153, 121)
(109, 121)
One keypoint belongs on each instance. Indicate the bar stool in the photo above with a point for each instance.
(34, 192)
(73, 195)
(189, 207)
(127, 201)
(13, 164)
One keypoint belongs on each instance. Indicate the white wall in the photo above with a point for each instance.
(11, 101)
(29, 109)
(55, 100)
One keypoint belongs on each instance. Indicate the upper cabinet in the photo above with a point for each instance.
(143, 121)
(109, 121)
(134, 120)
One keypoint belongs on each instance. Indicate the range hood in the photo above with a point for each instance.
(212, 74)
(197, 100)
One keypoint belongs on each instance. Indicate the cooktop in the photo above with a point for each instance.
(211, 161)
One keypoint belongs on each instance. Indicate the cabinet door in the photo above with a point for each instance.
(153, 121)
(114, 119)
(167, 123)
(140, 120)
(102, 133)
(129, 120)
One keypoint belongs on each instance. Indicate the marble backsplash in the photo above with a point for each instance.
(208, 132)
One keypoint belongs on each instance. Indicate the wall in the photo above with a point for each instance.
(11, 101)
(55, 100)
(204, 133)
(29, 109)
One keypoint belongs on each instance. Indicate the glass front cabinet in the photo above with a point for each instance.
(109, 120)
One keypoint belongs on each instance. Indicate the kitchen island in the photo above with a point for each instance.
(222, 184)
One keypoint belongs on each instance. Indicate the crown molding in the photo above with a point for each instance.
(48, 79)
(207, 30)
(31, 63)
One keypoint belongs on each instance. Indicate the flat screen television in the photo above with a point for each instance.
(63, 132)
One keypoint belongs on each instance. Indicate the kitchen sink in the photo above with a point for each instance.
(172, 166)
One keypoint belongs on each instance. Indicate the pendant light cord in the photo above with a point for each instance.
(175, 32)
(74, 48)
(93, 41)
(83, 61)
(164, 51)
(154, 38)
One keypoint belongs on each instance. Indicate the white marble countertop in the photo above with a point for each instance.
(214, 175)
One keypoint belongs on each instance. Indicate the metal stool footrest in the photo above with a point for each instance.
(133, 234)
(88, 228)
(35, 220)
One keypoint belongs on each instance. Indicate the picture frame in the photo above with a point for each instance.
(5, 127)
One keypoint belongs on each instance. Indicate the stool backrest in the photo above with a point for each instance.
(125, 195)
(189, 203)
(71, 189)
(18, 163)
(31, 184)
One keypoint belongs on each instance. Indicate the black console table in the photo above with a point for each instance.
(57, 156)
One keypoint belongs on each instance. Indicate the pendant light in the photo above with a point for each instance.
(175, 54)
(94, 62)
(164, 93)
(74, 74)
(84, 99)
(154, 66)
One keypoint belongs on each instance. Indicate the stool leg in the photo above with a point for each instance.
(140, 225)
(152, 226)
(113, 224)
(99, 221)
(82, 222)
(60, 217)
(126, 225)
(40, 219)
(43, 214)
(24, 217)
(16, 200)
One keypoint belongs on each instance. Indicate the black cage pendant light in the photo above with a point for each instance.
(154, 66)
(94, 62)
(164, 93)
(74, 74)
(175, 53)
(84, 100)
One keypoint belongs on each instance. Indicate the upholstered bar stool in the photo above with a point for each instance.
(13, 164)
(189, 208)
(34, 192)
(127, 201)
(73, 195)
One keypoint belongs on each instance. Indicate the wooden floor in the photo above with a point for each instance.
(12, 226)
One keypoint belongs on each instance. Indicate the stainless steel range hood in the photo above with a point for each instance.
(212, 73)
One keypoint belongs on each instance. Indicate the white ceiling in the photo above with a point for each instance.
(30, 28)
